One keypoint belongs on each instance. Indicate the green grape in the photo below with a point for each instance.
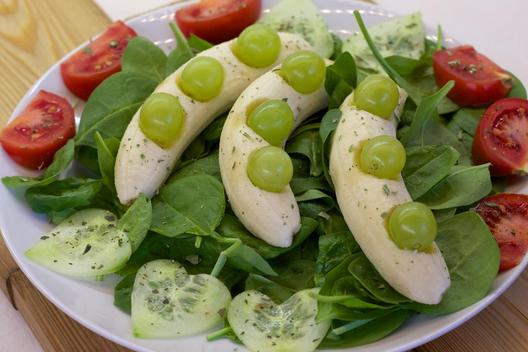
(383, 157)
(412, 226)
(270, 168)
(258, 46)
(273, 120)
(161, 118)
(304, 70)
(202, 78)
(378, 95)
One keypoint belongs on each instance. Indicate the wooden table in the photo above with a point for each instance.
(34, 34)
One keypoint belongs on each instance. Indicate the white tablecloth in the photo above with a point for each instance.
(495, 27)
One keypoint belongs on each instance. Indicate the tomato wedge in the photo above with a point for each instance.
(39, 131)
(506, 215)
(478, 80)
(218, 20)
(502, 137)
(86, 69)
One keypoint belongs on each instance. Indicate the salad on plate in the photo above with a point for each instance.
(275, 184)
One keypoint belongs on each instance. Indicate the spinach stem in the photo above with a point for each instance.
(222, 258)
(350, 326)
(218, 334)
(439, 38)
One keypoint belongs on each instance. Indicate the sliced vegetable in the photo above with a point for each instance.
(217, 20)
(168, 303)
(478, 80)
(507, 217)
(87, 244)
(42, 128)
(85, 70)
(501, 137)
(262, 325)
(302, 17)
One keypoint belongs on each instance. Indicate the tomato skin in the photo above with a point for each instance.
(218, 20)
(506, 215)
(502, 137)
(86, 69)
(478, 80)
(44, 126)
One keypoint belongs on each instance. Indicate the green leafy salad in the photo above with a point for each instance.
(189, 262)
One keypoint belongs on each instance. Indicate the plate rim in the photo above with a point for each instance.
(469, 312)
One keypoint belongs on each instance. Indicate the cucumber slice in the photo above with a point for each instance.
(86, 244)
(263, 325)
(404, 36)
(168, 303)
(302, 17)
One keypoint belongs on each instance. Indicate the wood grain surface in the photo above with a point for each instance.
(34, 34)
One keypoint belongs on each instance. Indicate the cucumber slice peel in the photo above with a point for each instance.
(167, 302)
(87, 244)
(263, 325)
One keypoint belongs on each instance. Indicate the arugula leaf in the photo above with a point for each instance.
(112, 105)
(180, 54)
(341, 78)
(61, 160)
(472, 257)
(106, 154)
(193, 205)
(426, 166)
(463, 186)
(145, 58)
(136, 221)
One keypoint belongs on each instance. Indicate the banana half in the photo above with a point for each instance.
(366, 201)
(141, 165)
(272, 217)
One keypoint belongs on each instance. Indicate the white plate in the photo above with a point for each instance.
(90, 303)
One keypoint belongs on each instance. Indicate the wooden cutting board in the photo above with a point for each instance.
(33, 36)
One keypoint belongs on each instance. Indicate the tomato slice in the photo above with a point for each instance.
(39, 131)
(86, 69)
(502, 137)
(506, 215)
(218, 20)
(478, 80)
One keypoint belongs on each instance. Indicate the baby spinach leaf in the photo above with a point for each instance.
(518, 90)
(198, 44)
(328, 126)
(123, 293)
(61, 160)
(145, 58)
(472, 257)
(193, 205)
(106, 154)
(247, 259)
(426, 166)
(427, 128)
(467, 119)
(273, 290)
(367, 275)
(57, 196)
(137, 220)
(333, 249)
(112, 105)
(338, 46)
(463, 186)
(368, 332)
(308, 144)
(204, 166)
(180, 54)
(341, 78)
(296, 275)
(303, 184)
(231, 227)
